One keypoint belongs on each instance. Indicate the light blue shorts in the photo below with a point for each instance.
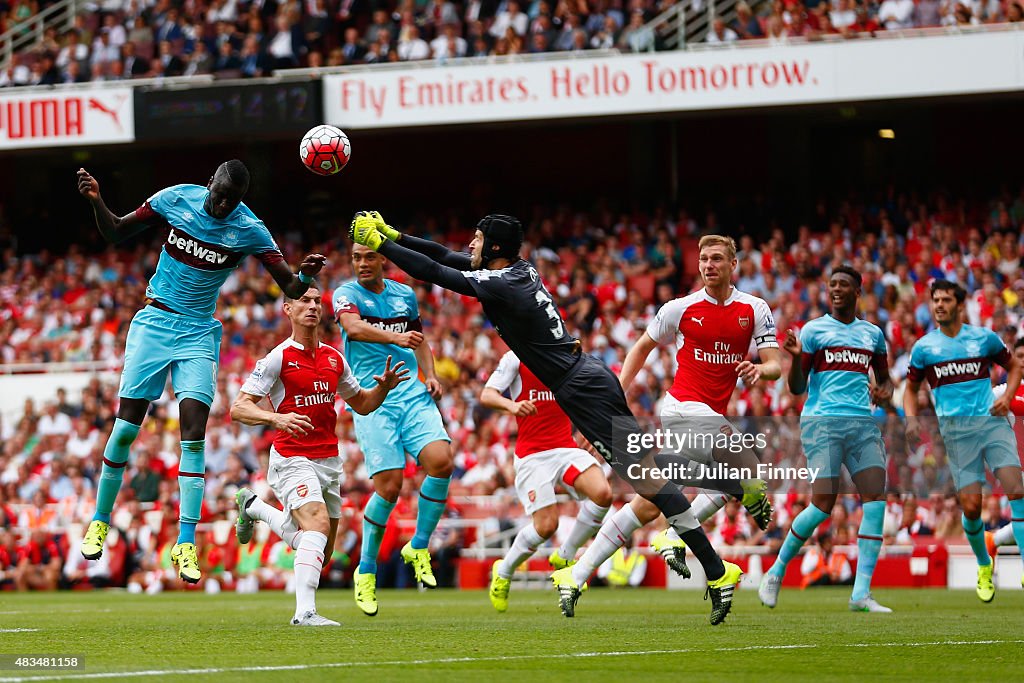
(391, 431)
(832, 442)
(160, 342)
(971, 442)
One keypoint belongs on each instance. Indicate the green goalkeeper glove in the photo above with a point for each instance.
(364, 231)
(385, 229)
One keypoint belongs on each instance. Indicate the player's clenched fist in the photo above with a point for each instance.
(293, 423)
(409, 340)
(791, 343)
(524, 408)
(88, 186)
(312, 264)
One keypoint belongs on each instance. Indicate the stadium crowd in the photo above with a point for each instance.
(124, 39)
(609, 271)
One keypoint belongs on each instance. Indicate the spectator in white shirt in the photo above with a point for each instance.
(512, 17)
(53, 421)
(896, 14)
(413, 47)
(449, 44)
(843, 15)
(720, 33)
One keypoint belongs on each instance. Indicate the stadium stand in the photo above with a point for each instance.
(230, 39)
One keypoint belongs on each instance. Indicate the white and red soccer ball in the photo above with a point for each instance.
(325, 150)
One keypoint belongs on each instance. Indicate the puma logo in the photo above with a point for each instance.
(293, 364)
(699, 321)
(94, 103)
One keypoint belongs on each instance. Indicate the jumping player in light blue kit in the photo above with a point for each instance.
(209, 232)
(380, 318)
(836, 351)
(957, 359)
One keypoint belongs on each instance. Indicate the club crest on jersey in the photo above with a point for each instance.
(333, 361)
(532, 495)
(744, 321)
(302, 490)
(231, 236)
(973, 348)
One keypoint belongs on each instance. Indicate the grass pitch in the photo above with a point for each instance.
(623, 635)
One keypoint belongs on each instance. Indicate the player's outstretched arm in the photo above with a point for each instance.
(246, 410)
(294, 285)
(438, 252)
(635, 359)
(364, 231)
(491, 398)
(368, 400)
(113, 228)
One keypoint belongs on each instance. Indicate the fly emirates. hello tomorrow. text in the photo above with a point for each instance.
(601, 81)
(680, 442)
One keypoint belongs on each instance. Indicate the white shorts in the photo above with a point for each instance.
(297, 481)
(697, 419)
(537, 474)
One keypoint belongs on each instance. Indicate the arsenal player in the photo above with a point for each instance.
(301, 377)
(546, 454)
(712, 330)
(1004, 535)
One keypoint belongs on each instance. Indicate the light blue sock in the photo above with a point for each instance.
(1017, 522)
(115, 457)
(975, 530)
(869, 542)
(803, 526)
(191, 486)
(375, 518)
(433, 498)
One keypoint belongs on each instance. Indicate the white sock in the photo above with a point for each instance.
(309, 562)
(612, 535)
(705, 505)
(277, 519)
(588, 521)
(1004, 535)
(524, 546)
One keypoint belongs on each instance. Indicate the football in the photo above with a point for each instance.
(325, 150)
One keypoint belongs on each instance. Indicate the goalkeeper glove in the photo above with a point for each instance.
(383, 228)
(364, 231)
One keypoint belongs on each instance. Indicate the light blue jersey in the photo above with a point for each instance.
(958, 372)
(958, 369)
(837, 357)
(395, 310)
(408, 420)
(200, 251)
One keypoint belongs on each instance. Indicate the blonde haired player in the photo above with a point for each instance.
(712, 330)
(546, 454)
(302, 377)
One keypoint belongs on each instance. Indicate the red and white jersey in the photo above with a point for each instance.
(550, 427)
(299, 381)
(1016, 413)
(711, 339)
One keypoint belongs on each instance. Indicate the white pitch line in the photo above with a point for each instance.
(18, 630)
(462, 660)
